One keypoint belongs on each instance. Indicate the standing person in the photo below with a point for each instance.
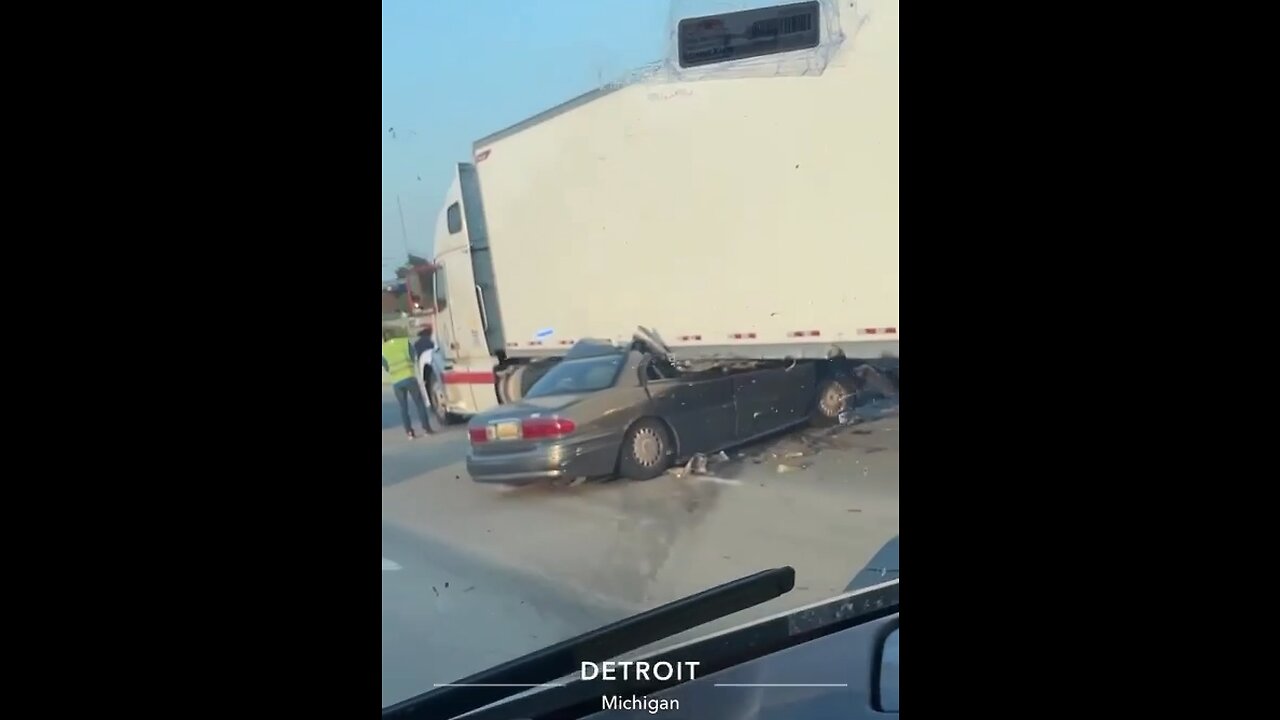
(397, 360)
(421, 346)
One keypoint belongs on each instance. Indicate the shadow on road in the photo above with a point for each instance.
(447, 613)
(646, 522)
(423, 456)
(547, 489)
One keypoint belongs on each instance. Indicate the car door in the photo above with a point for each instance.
(771, 399)
(699, 407)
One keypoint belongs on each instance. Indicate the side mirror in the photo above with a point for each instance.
(888, 686)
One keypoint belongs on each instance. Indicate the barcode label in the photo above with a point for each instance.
(796, 24)
(748, 33)
(782, 26)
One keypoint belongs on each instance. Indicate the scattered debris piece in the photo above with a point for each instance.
(785, 468)
(853, 509)
(446, 584)
(470, 588)
(434, 590)
(697, 465)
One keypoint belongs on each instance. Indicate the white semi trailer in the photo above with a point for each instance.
(742, 209)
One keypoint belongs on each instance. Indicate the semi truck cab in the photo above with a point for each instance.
(462, 374)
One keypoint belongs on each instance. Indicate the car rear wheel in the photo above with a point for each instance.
(646, 450)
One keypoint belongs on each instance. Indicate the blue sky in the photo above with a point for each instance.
(454, 71)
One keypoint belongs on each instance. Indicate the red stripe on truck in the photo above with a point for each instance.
(466, 377)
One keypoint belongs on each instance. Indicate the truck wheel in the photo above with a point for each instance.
(508, 384)
(436, 398)
(833, 392)
(516, 381)
(646, 450)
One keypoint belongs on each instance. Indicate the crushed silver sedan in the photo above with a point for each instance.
(606, 410)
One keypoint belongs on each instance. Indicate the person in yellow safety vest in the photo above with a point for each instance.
(397, 360)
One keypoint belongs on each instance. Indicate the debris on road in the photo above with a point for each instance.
(699, 465)
(787, 453)
(790, 453)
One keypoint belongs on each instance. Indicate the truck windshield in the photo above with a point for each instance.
(578, 376)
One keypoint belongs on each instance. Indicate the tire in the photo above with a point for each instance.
(434, 392)
(508, 380)
(646, 450)
(830, 399)
(515, 382)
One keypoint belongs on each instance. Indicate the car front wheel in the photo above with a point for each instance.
(833, 394)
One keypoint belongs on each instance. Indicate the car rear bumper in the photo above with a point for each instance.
(582, 458)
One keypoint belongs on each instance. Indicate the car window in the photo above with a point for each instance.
(578, 376)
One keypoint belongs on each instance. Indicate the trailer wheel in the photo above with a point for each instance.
(833, 393)
(646, 450)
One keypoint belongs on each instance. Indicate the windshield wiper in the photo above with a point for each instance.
(542, 666)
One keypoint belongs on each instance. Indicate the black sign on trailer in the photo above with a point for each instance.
(748, 33)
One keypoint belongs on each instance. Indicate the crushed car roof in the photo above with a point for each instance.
(590, 347)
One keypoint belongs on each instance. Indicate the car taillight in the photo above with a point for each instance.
(540, 428)
(478, 435)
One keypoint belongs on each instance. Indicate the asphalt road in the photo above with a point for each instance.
(474, 575)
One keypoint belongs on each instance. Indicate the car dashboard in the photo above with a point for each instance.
(834, 658)
(849, 674)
